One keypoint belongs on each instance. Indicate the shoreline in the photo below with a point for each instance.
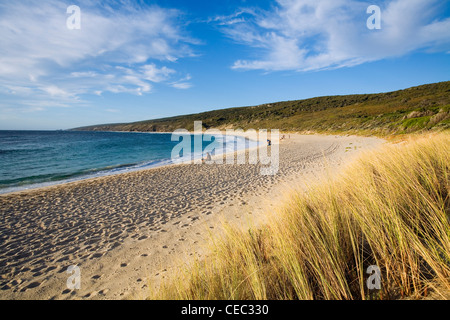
(126, 231)
(160, 164)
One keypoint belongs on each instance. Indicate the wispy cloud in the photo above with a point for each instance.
(121, 47)
(307, 35)
(183, 83)
(237, 17)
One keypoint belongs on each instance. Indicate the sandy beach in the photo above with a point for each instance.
(126, 232)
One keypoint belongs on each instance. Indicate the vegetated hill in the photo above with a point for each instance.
(414, 109)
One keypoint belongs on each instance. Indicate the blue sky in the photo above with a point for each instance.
(139, 60)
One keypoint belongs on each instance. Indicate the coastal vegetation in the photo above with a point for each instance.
(417, 109)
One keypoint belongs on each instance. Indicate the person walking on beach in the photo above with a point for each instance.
(208, 157)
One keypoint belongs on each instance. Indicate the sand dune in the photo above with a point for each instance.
(126, 231)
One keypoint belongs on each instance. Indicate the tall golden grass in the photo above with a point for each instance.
(389, 209)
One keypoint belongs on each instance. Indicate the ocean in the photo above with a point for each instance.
(32, 159)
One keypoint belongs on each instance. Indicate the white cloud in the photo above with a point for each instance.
(234, 18)
(41, 58)
(87, 74)
(152, 73)
(55, 91)
(183, 83)
(307, 35)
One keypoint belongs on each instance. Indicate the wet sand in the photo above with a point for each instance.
(125, 232)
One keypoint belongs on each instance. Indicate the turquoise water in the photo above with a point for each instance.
(32, 159)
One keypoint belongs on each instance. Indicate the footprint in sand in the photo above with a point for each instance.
(91, 294)
(34, 284)
(51, 268)
(103, 292)
(5, 287)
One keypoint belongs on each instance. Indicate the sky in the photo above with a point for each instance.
(65, 64)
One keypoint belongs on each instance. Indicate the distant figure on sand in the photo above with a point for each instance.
(269, 143)
(208, 158)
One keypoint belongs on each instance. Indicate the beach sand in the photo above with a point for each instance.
(128, 231)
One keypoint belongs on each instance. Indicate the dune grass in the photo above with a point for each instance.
(389, 209)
